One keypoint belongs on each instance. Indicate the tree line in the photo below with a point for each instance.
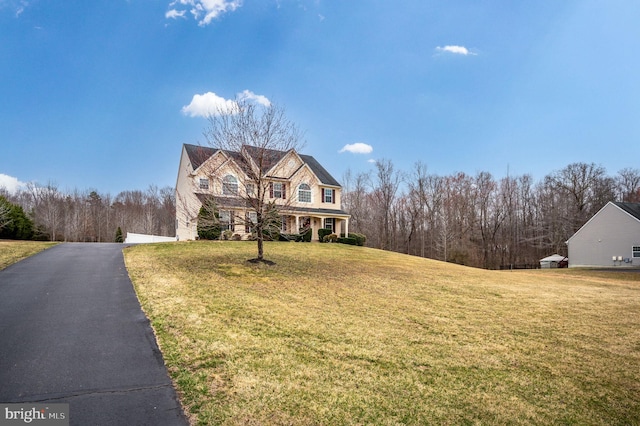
(478, 220)
(474, 220)
(45, 212)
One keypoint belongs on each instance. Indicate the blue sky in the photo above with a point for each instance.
(101, 94)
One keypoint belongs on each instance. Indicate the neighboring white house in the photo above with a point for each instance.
(553, 261)
(308, 195)
(610, 238)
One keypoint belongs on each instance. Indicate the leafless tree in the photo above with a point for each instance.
(490, 214)
(417, 183)
(354, 199)
(48, 209)
(384, 193)
(5, 210)
(259, 134)
(628, 182)
(586, 189)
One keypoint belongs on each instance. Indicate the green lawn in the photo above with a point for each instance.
(336, 334)
(14, 251)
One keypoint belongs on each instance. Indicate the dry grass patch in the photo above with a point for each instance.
(336, 334)
(14, 251)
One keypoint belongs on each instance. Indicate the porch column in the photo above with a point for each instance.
(346, 228)
(297, 224)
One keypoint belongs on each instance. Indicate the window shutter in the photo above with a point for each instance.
(322, 193)
(284, 191)
(333, 196)
(271, 190)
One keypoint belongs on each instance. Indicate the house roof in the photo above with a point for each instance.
(632, 208)
(199, 154)
(329, 212)
(228, 202)
(319, 171)
(266, 158)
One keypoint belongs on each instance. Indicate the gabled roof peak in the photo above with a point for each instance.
(264, 158)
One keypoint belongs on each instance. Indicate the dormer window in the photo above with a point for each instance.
(230, 185)
(304, 193)
(204, 183)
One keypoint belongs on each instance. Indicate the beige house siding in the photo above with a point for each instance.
(291, 170)
(610, 232)
(187, 204)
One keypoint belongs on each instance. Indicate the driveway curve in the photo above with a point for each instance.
(72, 331)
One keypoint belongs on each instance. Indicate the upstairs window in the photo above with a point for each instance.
(277, 190)
(230, 185)
(204, 183)
(304, 193)
(328, 195)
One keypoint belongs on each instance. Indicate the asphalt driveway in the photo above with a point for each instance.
(72, 331)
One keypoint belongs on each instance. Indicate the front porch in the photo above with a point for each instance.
(298, 223)
(293, 221)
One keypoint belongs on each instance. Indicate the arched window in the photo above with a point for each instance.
(304, 193)
(230, 185)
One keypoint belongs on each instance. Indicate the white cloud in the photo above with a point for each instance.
(211, 104)
(203, 11)
(18, 6)
(372, 161)
(175, 14)
(457, 50)
(10, 183)
(357, 148)
(248, 95)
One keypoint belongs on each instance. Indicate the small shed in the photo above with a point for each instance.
(554, 261)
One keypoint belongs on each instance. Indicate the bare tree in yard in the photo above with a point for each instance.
(258, 135)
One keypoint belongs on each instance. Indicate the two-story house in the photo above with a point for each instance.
(306, 194)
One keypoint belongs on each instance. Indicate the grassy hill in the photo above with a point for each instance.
(336, 334)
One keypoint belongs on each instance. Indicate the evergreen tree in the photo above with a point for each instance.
(209, 221)
(16, 225)
(119, 238)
